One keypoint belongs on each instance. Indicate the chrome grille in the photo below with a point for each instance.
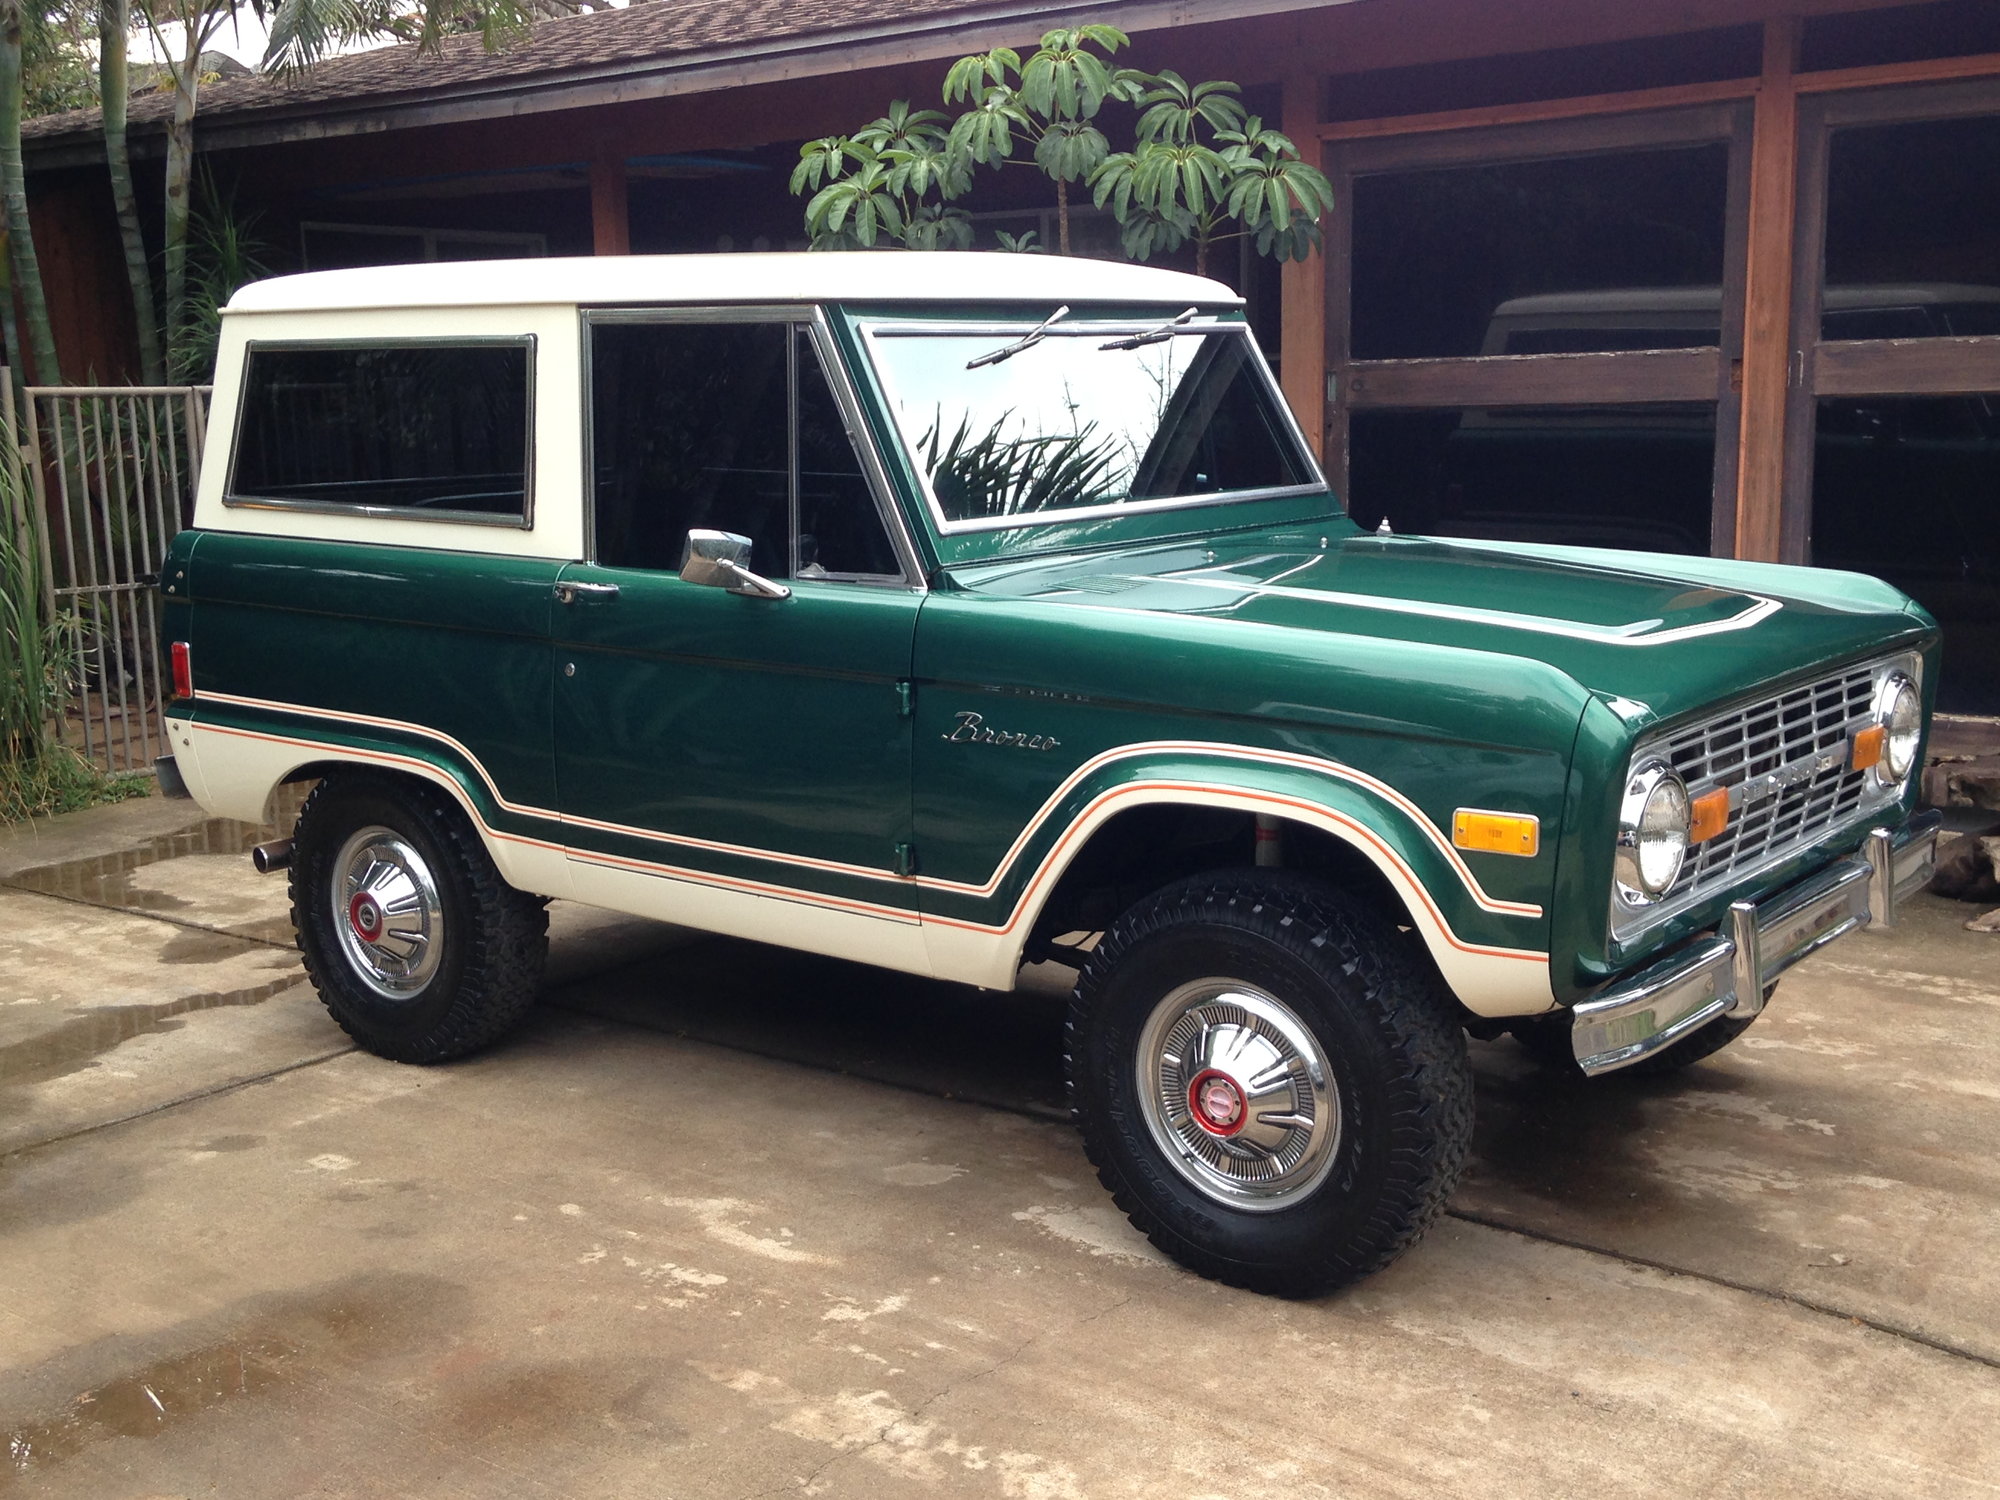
(1787, 733)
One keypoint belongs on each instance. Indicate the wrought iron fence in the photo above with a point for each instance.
(113, 472)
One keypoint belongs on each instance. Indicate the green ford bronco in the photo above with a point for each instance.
(953, 613)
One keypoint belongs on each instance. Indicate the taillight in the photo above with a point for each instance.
(183, 673)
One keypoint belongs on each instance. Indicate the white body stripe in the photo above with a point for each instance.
(1210, 749)
(1636, 633)
(233, 772)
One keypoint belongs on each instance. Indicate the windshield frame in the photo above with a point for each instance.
(875, 330)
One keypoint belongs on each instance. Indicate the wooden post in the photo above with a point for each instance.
(1302, 284)
(1767, 313)
(610, 216)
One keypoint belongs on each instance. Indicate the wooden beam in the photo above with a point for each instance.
(1907, 367)
(1888, 75)
(1302, 286)
(1536, 379)
(1679, 97)
(1767, 311)
(610, 215)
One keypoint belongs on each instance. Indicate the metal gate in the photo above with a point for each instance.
(113, 473)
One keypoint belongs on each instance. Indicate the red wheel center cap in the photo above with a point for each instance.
(365, 917)
(1216, 1101)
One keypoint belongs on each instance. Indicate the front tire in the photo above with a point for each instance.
(1273, 1088)
(419, 950)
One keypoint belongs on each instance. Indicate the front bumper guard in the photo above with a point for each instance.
(1726, 972)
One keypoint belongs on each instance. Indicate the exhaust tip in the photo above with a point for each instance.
(271, 857)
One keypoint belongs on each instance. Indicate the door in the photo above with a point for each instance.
(718, 752)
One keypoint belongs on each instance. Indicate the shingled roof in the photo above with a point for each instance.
(648, 49)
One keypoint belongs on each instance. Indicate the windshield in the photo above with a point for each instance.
(1086, 418)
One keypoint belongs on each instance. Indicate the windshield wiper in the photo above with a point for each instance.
(1151, 335)
(1028, 341)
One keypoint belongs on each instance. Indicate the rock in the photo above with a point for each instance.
(1968, 867)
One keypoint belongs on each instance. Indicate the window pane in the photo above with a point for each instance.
(1605, 476)
(1076, 421)
(427, 427)
(1913, 230)
(1909, 490)
(330, 248)
(689, 430)
(840, 530)
(1577, 254)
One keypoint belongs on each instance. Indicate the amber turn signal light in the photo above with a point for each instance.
(1868, 747)
(1708, 815)
(1496, 833)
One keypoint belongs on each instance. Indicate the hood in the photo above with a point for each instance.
(1663, 634)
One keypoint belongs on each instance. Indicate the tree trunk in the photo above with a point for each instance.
(180, 183)
(14, 193)
(114, 87)
(1062, 215)
(1200, 253)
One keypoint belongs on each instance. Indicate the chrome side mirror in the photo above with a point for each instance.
(719, 559)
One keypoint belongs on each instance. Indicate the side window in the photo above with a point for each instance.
(727, 427)
(688, 429)
(840, 531)
(424, 429)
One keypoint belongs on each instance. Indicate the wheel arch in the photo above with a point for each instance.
(1361, 833)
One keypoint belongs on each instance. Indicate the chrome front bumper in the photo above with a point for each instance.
(1726, 972)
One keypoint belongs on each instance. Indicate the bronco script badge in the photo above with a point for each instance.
(973, 730)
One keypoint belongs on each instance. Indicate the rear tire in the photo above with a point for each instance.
(1272, 1087)
(419, 950)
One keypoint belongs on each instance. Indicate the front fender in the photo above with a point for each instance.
(1492, 952)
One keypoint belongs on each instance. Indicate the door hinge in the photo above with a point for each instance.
(906, 697)
(906, 859)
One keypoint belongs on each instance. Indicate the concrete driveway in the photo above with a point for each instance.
(726, 1221)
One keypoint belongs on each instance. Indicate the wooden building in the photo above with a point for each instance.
(1675, 274)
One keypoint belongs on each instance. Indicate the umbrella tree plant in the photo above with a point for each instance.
(1201, 169)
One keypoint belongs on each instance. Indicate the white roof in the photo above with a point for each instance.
(830, 276)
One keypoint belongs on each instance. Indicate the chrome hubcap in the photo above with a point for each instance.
(1235, 1092)
(387, 912)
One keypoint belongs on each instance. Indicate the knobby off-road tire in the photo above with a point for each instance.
(1549, 1040)
(1197, 1029)
(417, 947)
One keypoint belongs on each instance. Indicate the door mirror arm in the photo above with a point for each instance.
(716, 559)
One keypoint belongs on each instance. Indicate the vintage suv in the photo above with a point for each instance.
(953, 612)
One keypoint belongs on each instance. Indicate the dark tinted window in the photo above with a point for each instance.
(1574, 254)
(840, 530)
(1912, 230)
(688, 430)
(1599, 476)
(422, 427)
(1908, 488)
(691, 428)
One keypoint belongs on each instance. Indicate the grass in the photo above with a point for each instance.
(58, 780)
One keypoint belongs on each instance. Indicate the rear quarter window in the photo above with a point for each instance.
(409, 429)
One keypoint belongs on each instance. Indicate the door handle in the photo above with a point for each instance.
(586, 593)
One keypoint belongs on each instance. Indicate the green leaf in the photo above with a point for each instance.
(1071, 150)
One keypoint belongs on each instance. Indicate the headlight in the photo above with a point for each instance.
(1652, 833)
(1899, 709)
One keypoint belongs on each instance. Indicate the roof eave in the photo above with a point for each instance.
(754, 63)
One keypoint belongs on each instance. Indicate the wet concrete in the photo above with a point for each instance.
(659, 1245)
(631, 1264)
(118, 962)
